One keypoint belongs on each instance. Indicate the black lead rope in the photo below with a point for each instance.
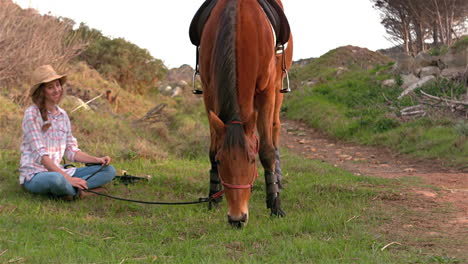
(200, 200)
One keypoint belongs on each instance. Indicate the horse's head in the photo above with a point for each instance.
(236, 149)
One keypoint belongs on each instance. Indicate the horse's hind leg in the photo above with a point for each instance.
(267, 152)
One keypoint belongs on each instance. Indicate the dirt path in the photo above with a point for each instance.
(432, 215)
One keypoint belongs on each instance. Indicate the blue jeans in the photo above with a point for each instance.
(54, 183)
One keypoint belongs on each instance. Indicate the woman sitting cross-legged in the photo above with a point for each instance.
(47, 137)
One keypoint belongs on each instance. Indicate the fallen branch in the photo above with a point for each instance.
(420, 112)
(389, 244)
(354, 217)
(153, 114)
(410, 108)
(444, 99)
(83, 104)
(387, 100)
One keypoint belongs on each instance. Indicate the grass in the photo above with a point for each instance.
(333, 216)
(328, 220)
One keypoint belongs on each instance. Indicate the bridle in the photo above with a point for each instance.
(238, 186)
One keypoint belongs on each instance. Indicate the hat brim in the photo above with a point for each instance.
(62, 79)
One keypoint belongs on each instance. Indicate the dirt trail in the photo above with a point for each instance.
(432, 218)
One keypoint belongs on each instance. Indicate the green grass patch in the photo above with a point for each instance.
(328, 220)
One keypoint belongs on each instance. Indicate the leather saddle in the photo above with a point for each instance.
(271, 8)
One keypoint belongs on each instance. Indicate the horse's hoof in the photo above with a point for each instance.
(215, 202)
(278, 212)
(274, 203)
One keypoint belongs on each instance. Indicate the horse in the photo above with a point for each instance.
(242, 71)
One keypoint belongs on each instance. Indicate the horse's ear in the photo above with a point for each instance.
(249, 126)
(217, 123)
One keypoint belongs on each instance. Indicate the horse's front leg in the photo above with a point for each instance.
(215, 181)
(276, 135)
(267, 152)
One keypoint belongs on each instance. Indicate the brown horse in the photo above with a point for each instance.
(242, 75)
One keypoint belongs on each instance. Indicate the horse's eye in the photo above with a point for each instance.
(218, 162)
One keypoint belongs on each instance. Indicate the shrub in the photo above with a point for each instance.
(460, 44)
(29, 40)
(439, 50)
(462, 128)
(117, 59)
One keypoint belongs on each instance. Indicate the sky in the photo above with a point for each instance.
(161, 27)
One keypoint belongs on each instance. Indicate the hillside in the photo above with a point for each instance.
(336, 62)
(342, 94)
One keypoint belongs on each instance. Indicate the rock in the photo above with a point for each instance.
(177, 91)
(341, 70)
(427, 71)
(455, 60)
(453, 73)
(309, 82)
(408, 80)
(405, 64)
(424, 81)
(389, 83)
(182, 83)
(424, 60)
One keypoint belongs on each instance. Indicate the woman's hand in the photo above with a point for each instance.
(78, 183)
(104, 160)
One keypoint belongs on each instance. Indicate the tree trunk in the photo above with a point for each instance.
(419, 36)
(435, 34)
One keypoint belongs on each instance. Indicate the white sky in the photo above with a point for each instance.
(161, 27)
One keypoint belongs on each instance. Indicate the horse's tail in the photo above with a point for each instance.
(224, 63)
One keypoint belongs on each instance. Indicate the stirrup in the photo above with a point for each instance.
(197, 72)
(194, 89)
(280, 50)
(287, 89)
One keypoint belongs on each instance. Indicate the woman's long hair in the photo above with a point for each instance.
(38, 99)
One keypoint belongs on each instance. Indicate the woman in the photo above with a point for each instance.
(47, 137)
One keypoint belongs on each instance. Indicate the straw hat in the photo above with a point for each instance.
(45, 74)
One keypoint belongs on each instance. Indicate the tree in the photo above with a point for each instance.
(413, 22)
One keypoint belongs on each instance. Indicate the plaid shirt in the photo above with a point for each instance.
(55, 142)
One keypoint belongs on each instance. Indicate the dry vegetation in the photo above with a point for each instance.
(28, 40)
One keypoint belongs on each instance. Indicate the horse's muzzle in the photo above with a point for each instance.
(238, 222)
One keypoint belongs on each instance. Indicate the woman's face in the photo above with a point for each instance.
(53, 91)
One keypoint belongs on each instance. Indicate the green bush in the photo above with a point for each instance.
(439, 50)
(462, 128)
(460, 44)
(131, 66)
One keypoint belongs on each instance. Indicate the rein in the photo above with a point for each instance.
(200, 200)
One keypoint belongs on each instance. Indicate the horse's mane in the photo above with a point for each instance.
(225, 66)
